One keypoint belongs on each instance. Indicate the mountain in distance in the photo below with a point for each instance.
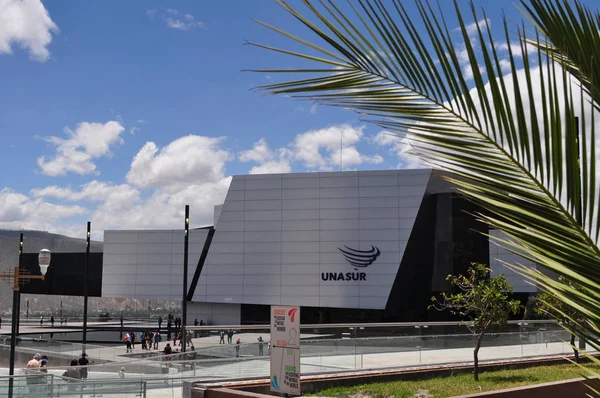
(33, 242)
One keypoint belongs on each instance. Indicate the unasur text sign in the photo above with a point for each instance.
(285, 349)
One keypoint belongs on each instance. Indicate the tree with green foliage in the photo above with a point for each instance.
(513, 118)
(549, 304)
(482, 300)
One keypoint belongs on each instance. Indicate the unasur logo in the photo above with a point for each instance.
(357, 259)
(360, 258)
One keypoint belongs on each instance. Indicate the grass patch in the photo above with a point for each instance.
(440, 387)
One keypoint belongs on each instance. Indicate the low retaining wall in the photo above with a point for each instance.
(573, 388)
(314, 383)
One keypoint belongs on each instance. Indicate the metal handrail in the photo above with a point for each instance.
(363, 325)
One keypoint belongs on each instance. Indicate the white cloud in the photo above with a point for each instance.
(272, 167)
(134, 130)
(92, 191)
(472, 27)
(259, 153)
(400, 146)
(505, 65)
(268, 161)
(176, 20)
(18, 211)
(125, 207)
(320, 149)
(26, 23)
(186, 160)
(515, 48)
(189, 170)
(163, 209)
(75, 154)
(323, 149)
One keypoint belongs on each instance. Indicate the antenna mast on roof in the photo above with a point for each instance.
(341, 149)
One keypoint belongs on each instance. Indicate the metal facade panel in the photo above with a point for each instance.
(293, 227)
(148, 264)
(499, 256)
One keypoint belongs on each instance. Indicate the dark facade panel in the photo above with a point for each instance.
(65, 275)
(411, 292)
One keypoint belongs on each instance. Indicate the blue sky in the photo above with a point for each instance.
(120, 112)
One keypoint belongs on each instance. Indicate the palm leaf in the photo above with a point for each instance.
(572, 32)
(520, 145)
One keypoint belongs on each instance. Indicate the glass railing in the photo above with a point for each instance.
(49, 386)
(324, 348)
(334, 348)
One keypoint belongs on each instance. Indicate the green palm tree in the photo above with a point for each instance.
(513, 120)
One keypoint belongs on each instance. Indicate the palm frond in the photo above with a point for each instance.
(521, 144)
(573, 35)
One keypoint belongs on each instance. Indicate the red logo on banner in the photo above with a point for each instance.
(292, 313)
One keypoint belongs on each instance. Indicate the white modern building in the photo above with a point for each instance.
(358, 245)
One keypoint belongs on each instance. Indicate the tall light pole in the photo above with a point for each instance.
(14, 320)
(85, 284)
(18, 278)
(185, 276)
(579, 213)
(18, 295)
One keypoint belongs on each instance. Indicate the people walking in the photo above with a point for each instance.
(143, 340)
(156, 339)
(221, 336)
(42, 320)
(32, 368)
(83, 365)
(229, 336)
(132, 337)
(261, 344)
(238, 344)
(44, 364)
(127, 343)
(73, 374)
(34, 362)
(52, 321)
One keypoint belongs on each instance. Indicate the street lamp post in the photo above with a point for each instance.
(85, 284)
(185, 276)
(18, 278)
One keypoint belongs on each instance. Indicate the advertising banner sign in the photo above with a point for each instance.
(285, 349)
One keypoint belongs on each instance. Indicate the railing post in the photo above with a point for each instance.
(144, 388)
